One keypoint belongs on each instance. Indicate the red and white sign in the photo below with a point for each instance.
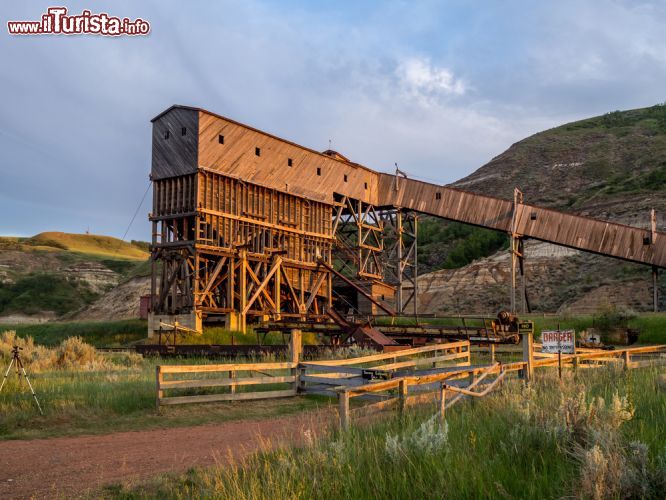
(554, 341)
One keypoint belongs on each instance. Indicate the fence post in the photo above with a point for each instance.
(528, 356)
(343, 409)
(159, 378)
(492, 352)
(442, 403)
(232, 387)
(295, 349)
(402, 394)
(627, 359)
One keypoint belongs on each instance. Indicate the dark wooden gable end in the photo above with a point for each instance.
(175, 142)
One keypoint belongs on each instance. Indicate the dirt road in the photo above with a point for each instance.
(72, 466)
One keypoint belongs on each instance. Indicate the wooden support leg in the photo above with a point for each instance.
(159, 378)
(295, 349)
(655, 289)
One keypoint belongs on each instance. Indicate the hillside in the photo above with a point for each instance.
(54, 275)
(90, 244)
(612, 167)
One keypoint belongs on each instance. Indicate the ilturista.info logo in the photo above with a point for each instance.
(56, 21)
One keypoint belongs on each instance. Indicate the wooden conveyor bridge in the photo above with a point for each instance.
(248, 225)
(529, 221)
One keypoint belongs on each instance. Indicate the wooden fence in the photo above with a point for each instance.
(377, 377)
(237, 375)
(322, 377)
(434, 383)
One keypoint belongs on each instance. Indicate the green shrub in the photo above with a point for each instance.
(612, 318)
(44, 292)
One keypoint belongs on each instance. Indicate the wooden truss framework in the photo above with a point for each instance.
(218, 259)
(240, 251)
(401, 264)
(358, 229)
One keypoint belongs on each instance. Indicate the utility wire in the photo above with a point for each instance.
(143, 198)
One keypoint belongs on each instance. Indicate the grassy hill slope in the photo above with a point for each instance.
(91, 244)
(611, 166)
(55, 274)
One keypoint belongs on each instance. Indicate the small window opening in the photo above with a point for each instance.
(257, 151)
(533, 216)
(166, 134)
(365, 185)
(647, 240)
(290, 162)
(318, 171)
(438, 196)
(345, 177)
(220, 139)
(183, 131)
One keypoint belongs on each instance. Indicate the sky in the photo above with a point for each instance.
(439, 87)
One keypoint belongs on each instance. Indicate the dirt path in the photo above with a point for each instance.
(71, 466)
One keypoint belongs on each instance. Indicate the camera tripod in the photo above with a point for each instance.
(16, 358)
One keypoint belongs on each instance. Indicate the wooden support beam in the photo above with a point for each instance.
(387, 310)
(262, 286)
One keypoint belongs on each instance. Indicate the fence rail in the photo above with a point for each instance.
(433, 384)
(324, 377)
(270, 374)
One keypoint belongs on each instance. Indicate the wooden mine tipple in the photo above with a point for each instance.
(248, 225)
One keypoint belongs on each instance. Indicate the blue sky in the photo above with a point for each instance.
(438, 86)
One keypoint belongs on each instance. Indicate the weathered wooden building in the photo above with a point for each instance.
(246, 225)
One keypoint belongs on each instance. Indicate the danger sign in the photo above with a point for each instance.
(554, 341)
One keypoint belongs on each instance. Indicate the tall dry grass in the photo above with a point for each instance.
(71, 354)
(597, 434)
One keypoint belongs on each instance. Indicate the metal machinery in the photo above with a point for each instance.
(248, 227)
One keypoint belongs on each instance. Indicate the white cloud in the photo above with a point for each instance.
(421, 79)
(398, 84)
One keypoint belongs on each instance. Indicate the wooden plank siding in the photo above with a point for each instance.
(237, 158)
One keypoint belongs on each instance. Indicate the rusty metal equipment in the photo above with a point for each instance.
(248, 227)
(384, 335)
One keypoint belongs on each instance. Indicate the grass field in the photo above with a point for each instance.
(551, 439)
(96, 333)
(125, 332)
(651, 325)
(101, 393)
(598, 434)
